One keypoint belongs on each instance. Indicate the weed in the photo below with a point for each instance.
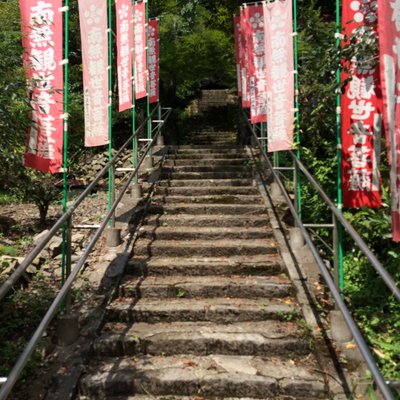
(180, 293)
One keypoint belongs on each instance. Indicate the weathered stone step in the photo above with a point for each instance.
(203, 232)
(206, 175)
(208, 199)
(204, 191)
(207, 142)
(194, 154)
(172, 397)
(205, 168)
(205, 182)
(217, 310)
(209, 376)
(205, 287)
(270, 264)
(204, 248)
(207, 161)
(211, 220)
(272, 338)
(194, 209)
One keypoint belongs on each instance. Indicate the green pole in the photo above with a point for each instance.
(111, 187)
(296, 105)
(65, 141)
(134, 141)
(339, 155)
(148, 74)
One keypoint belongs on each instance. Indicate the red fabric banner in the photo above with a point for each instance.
(280, 74)
(238, 50)
(123, 11)
(361, 105)
(41, 24)
(153, 60)
(93, 23)
(257, 77)
(245, 58)
(389, 43)
(140, 50)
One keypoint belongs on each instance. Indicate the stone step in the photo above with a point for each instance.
(206, 182)
(204, 191)
(172, 397)
(208, 142)
(205, 168)
(272, 338)
(270, 264)
(207, 161)
(213, 376)
(206, 175)
(205, 287)
(229, 146)
(194, 154)
(210, 220)
(217, 310)
(204, 248)
(208, 199)
(194, 209)
(203, 232)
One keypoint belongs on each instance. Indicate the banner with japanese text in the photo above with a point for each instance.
(41, 24)
(238, 50)
(123, 11)
(279, 74)
(93, 24)
(140, 50)
(361, 107)
(153, 60)
(257, 78)
(244, 67)
(389, 43)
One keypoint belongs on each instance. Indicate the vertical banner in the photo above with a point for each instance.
(238, 51)
(93, 23)
(140, 50)
(245, 58)
(123, 10)
(153, 60)
(389, 43)
(361, 105)
(257, 78)
(41, 24)
(280, 74)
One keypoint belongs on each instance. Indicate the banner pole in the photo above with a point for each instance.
(65, 257)
(134, 141)
(148, 77)
(111, 185)
(339, 156)
(297, 112)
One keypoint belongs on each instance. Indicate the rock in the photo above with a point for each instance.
(40, 236)
(55, 247)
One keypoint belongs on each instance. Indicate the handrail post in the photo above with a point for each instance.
(335, 240)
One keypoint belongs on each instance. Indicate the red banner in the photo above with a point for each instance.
(153, 60)
(280, 74)
(257, 77)
(93, 23)
(238, 51)
(245, 58)
(41, 24)
(361, 116)
(389, 43)
(140, 50)
(123, 11)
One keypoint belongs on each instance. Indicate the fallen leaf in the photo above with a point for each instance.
(350, 346)
(190, 363)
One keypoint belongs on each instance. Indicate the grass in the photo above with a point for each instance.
(7, 198)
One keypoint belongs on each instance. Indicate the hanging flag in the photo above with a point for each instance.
(257, 77)
(123, 11)
(153, 60)
(389, 44)
(140, 50)
(41, 24)
(93, 23)
(245, 58)
(238, 50)
(361, 105)
(280, 74)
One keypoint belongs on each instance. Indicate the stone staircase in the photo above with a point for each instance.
(205, 309)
